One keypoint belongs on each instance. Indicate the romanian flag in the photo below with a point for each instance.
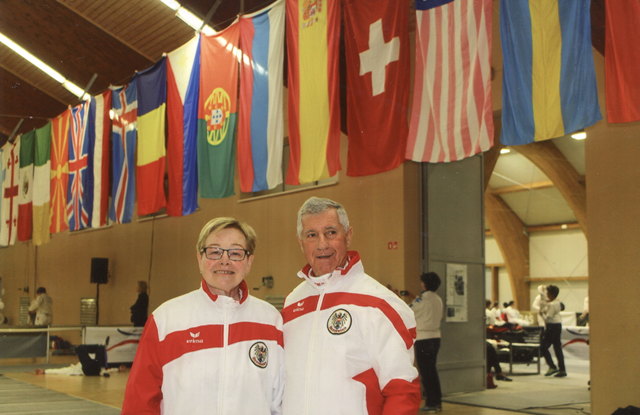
(59, 171)
(151, 87)
(217, 112)
(41, 185)
(25, 193)
(100, 133)
(260, 116)
(10, 187)
(549, 83)
(313, 34)
(124, 106)
(183, 81)
(622, 60)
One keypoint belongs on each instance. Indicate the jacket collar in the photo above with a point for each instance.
(353, 257)
(244, 291)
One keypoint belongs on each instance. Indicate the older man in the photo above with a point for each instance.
(348, 339)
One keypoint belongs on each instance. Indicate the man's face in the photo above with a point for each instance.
(324, 241)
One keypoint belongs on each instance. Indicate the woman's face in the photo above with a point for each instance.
(224, 275)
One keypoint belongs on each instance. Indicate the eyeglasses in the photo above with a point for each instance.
(214, 253)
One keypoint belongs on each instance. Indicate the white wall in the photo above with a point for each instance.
(551, 254)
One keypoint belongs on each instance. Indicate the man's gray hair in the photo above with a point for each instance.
(315, 205)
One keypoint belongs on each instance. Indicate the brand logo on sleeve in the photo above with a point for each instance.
(339, 322)
(259, 354)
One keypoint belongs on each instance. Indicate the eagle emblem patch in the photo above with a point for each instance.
(259, 354)
(339, 322)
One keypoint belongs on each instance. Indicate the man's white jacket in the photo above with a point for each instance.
(206, 354)
(348, 346)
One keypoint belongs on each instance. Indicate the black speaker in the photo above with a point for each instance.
(99, 270)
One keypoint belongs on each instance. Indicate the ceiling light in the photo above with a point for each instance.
(505, 150)
(579, 135)
(172, 4)
(189, 18)
(70, 86)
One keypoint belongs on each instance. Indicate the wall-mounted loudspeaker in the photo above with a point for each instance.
(99, 270)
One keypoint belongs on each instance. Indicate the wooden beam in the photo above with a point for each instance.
(521, 188)
(495, 283)
(546, 156)
(513, 241)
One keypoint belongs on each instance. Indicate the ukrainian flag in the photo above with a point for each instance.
(549, 84)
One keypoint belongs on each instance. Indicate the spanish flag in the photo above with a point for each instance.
(549, 84)
(313, 34)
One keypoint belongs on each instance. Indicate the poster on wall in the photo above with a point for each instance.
(456, 295)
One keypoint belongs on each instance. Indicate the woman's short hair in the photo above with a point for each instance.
(431, 281)
(315, 205)
(217, 224)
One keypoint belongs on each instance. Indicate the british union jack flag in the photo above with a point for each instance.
(79, 195)
(124, 114)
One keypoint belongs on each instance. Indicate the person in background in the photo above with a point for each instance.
(550, 310)
(584, 317)
(42, 308)
(139, 309)
(216, 350)
(428, 309)
(348, 339)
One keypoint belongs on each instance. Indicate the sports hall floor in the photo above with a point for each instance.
(22, 391)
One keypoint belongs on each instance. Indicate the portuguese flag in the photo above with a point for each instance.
(217, 112)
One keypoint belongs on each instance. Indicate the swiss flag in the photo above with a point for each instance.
(377, 58)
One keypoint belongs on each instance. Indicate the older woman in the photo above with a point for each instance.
(215, 350)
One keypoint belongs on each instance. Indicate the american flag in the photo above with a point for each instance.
(77, 209)
(451, 116)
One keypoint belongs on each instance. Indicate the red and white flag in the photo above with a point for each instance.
(451, 114)
(377, 58)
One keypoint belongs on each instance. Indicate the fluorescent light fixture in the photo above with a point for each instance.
(172, 4)
(70, 86)
(579, 135)
(189, 18)
(505, 150)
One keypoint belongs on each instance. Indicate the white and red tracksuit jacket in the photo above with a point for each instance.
(206, 354)
(348, 347)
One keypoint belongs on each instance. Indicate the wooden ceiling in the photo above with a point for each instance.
(79, 38)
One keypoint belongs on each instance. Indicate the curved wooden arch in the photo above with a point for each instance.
(550, 160)
(513, 241)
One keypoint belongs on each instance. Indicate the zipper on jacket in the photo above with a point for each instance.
(311, 354)
(223, 373)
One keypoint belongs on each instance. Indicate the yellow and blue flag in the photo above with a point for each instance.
(549, 84)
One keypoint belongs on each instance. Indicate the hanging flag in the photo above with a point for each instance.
(183, 77)
(377, 59)
(123, 186)
(100, 132)
(59, 171)
(79, 188)
(622, 60)
(313, 34)
(10, 190)
(217, 112)
(546, 43)
(451, 113)
(151, 87)
(260, 116)
(25, 191)
(41, 185)
(2, 171)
